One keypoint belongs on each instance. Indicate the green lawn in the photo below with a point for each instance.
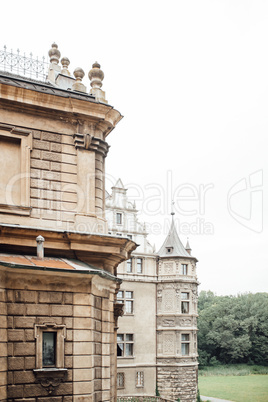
(248, 388)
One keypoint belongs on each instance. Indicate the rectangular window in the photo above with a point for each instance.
(119, 218)
(120, 380)
(140, 379)
(49, 349)
(129, 302)
(185, 344)
(126, 298)
(185, 302)
(139, 265)
(184, 269)
(129, 237)
(125, 344)
(129, 265)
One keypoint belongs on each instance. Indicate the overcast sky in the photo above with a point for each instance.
(190, 78)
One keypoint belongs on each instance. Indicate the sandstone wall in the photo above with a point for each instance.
(178, 382)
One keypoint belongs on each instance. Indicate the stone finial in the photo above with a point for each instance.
(96, 76)
(54, 54)
(187, 247)
(79, 75)
(65, 64)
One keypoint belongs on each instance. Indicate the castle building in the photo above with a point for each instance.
(58, 282)
(157, 335)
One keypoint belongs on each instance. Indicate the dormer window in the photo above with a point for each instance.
(119, 218)
(169, 250)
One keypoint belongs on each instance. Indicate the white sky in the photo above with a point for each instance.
(190, 78)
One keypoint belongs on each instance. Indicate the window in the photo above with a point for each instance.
(140, 379)
(49, 349)
(119, 218)
(129, 265)
(126, 297)
(118, 234)
(185, 302)
(185, 344)
(120, 380)
(49, 345)
(129, 237)
(125, 345)
(184, 269)
(169, 250)
(139, 265)
(15, 148)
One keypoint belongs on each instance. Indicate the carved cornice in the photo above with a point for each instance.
(91, 143)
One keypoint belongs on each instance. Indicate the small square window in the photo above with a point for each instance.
(125, 345)
(129, 236)
(140, 379)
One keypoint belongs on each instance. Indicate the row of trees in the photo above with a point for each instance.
(233, 329)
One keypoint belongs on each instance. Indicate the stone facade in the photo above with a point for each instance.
(58, 283)
(163, 319)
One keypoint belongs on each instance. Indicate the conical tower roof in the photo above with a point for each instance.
(172, 246)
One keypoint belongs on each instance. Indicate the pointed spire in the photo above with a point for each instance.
(172, 245)
(188, 248)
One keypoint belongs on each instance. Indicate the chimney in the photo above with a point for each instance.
(40, 247)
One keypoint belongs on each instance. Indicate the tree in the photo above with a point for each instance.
(233, 329)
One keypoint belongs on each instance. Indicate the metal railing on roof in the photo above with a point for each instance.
(18, 64)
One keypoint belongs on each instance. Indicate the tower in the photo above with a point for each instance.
(176, 319)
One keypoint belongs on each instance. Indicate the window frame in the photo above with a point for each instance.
(122, 375)
(124, 299)
(185, 343)
(185, 302)
(119, 218)
(184, 269)
(129, 265)
(139, 264)
(125, 342)
(140, 379)
(60, 334)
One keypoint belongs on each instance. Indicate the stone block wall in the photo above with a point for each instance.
(178, 382)
(3, 343)
(53, 177)
(88, 344)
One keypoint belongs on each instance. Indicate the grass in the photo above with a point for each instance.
(232, 369)
(252, 388)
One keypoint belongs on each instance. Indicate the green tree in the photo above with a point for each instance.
(233, 329)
